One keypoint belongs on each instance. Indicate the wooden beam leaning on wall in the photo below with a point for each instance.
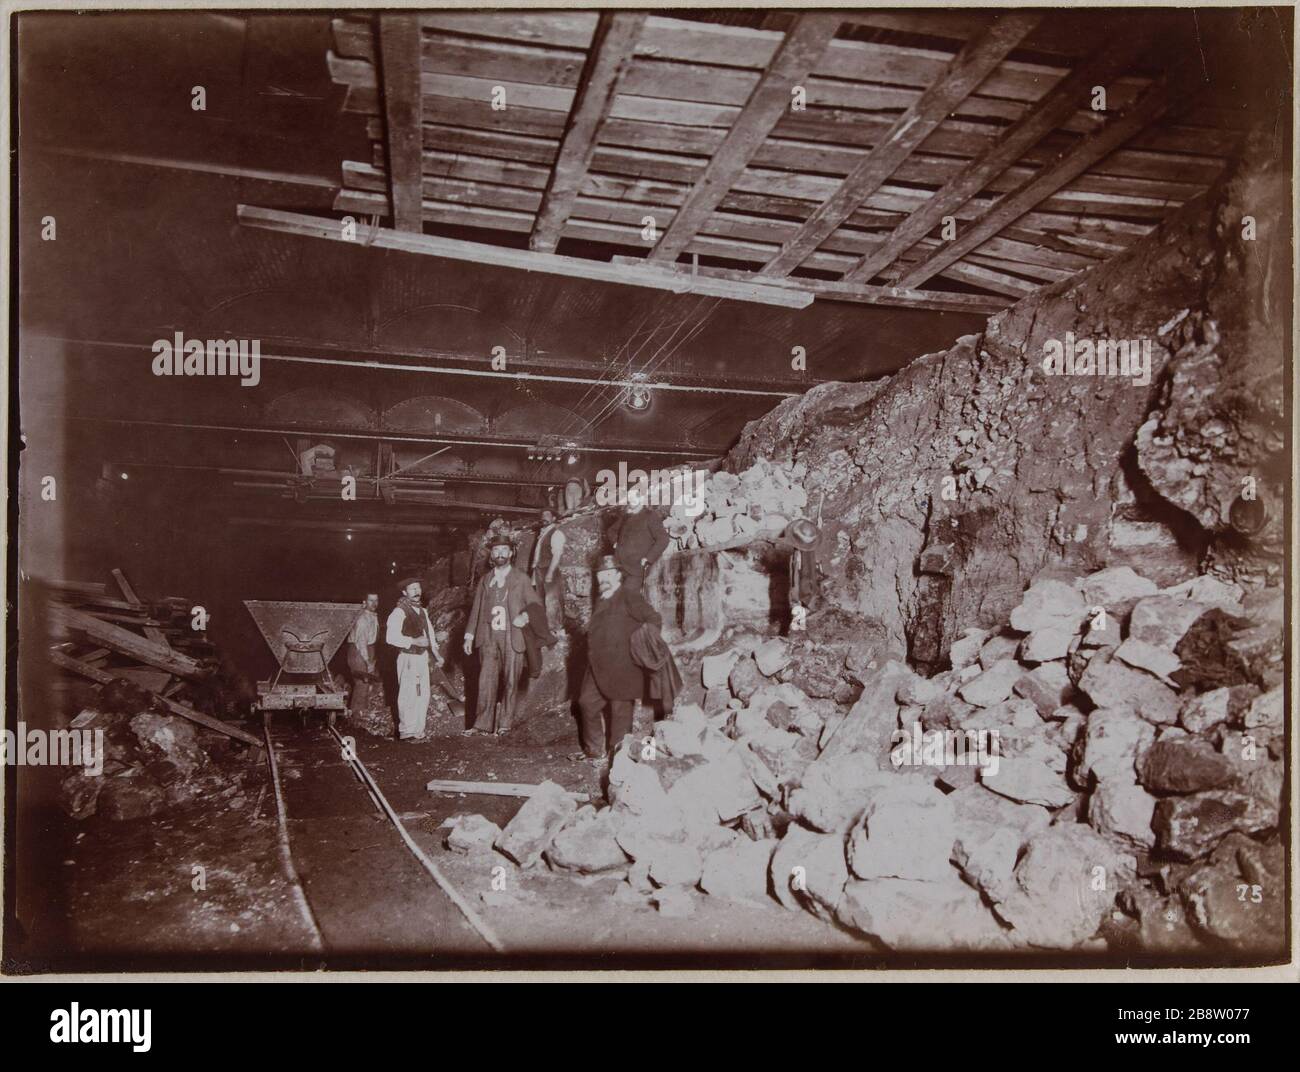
(609, 56)
(1069, 95)
(793, 63)
(399, 38)
(1168, 92)
(975, 62)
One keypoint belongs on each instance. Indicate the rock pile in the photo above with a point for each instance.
(150, 761)
(1106, 771)
(728, 507)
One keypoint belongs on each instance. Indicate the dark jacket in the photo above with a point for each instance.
(609, 643)
(537, 635)
(519, 593)
(637, 536)
(651, 653)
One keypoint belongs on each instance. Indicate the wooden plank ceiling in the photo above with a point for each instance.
(983, 122)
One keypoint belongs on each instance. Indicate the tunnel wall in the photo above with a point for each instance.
(956, 481)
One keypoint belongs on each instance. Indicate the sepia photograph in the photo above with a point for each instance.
(666, 489)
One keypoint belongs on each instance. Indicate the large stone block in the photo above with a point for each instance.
(1144, 656)
(810, 870)
(472, 833)
(1027, 780)
(1047, 687)
(1266, 710)
(1186, 765)
(1201, 713)
(790, 852)
(906, 831)
(1115, 739)
(991, 831)
(966, 648)
(999, 646)
(834, 790)
(740, 871)
(922, 917)
(680, 738)
(1044, 645)
(1189, 827)
(673, 863)
(1124, 811)
(1118, 584)
(1233, 903)
(772, 656)
(715, 669)
(994, 685)
(536, 823)
(588, 843)
(1065, 884)
(1049, 604)
(745, 679)
(1161, 620)
(873, 718)
(1107, 682)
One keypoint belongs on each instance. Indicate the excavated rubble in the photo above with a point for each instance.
(1129, 805)
(1043, 709)
(151, 760)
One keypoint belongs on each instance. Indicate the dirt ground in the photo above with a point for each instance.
(202, 886)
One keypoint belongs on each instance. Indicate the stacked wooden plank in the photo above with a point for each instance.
(113, 635)
(687, 120)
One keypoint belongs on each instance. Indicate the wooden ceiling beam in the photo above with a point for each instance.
(1055, 38)
(485, 43)
(1186, 151)
(962, 77)
(399, 37)
(610, 54)
(794, 61)
(735, 236)
(933, 300)
(1068, 96)
(1153, 104)
(528, 260)
(694, 89)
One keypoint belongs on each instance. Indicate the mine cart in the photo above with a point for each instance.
(303, 637)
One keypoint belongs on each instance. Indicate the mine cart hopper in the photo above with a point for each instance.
(304, 638)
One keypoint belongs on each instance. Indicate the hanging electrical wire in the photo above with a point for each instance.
(653, 365)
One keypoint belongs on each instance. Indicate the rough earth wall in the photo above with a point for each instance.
(968, 473)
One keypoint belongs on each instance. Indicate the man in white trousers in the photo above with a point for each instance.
(410, 631)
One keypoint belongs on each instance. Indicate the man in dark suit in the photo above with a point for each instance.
(495, 628)
(613, 681)
(639, 539)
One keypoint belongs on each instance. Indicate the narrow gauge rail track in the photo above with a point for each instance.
(383, 870)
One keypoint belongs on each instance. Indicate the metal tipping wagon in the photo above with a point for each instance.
(304, 637)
